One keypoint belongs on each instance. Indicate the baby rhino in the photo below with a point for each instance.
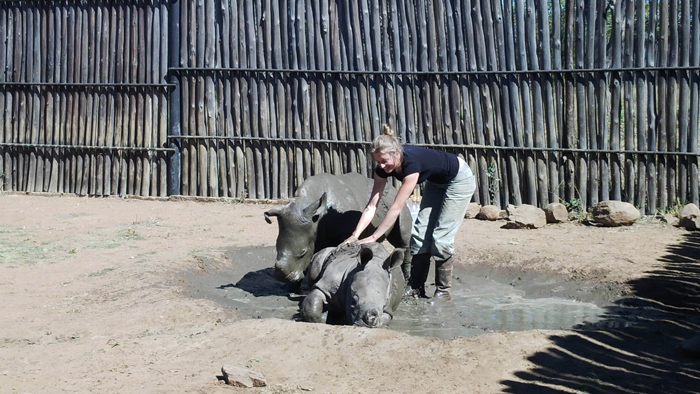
(354, 284)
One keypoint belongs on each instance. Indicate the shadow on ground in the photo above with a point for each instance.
(636, 347)
(261, 283)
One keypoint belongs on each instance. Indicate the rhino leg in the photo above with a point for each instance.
(400, 237)
(312, 308)
(374, 318)
(384, 320)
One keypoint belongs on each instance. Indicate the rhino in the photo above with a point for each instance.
(323, 213)
(354, 284)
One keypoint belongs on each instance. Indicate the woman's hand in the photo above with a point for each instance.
(351, 239)
(367, 240)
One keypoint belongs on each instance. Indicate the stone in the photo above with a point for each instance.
(690, 217)
(526, 216)
(472, 210)
(489, 212)
(242, 377)
(615, 213)
(670, 219)
(556, 213)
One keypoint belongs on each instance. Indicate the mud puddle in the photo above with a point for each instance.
(484, 300)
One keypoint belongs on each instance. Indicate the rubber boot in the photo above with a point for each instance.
(420, 266)
(443, 280)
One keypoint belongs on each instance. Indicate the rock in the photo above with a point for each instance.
(526, 216)
(615, 213)
(670, 219)
(690, 217)
(489, 212)
(472, 210)
(556, 213)
(243, 377)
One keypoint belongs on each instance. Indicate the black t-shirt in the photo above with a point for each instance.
(433, 165)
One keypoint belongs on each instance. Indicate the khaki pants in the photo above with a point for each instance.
(442, 211)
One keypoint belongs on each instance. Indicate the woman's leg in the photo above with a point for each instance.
(422, 237)
(458, 194)
(430, 206)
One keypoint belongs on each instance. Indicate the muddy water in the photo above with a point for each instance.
(483, 300)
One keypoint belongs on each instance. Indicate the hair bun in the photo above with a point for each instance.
(387, 130)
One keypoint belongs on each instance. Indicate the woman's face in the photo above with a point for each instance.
(387, 161)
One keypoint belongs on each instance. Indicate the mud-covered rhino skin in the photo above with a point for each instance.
(354, 284)
(324, 212)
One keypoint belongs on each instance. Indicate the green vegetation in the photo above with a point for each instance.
(17, 246)
(572, 205)
(576, 211)
(674, 209)
(283, 389)
(494, 181)
(130, 235)
(101, 272)
(249, 363)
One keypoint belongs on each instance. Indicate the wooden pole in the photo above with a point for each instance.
(641, 85)
(695, 96)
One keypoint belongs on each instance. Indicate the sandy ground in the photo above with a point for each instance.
(93, 300)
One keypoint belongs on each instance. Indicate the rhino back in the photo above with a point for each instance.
(344, 192)
(356, 190)
(333, 278)
(346, 195)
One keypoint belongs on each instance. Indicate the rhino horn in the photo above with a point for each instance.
(272, 212)
(366, 254)
(316, 209)
(395, 260)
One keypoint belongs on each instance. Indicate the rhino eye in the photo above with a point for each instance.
(302, 253)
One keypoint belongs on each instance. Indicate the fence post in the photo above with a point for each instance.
(175, 125)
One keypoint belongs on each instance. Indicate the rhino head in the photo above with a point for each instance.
(376, 289)
(298, 228)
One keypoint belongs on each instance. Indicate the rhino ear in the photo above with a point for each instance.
(318, 261)
(272, 212)
(395, 260)
(366, 254)
(316, 209)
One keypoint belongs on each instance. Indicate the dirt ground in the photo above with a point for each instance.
(93, 300)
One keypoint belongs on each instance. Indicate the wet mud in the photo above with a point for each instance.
(484, 299)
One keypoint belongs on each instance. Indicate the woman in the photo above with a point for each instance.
(449, 186)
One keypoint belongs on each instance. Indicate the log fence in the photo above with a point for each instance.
(548, 101)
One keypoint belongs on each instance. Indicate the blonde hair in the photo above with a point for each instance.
(387, 142)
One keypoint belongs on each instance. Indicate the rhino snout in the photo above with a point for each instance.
(371, 318)
(289, 277)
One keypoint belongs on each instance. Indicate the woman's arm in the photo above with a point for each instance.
(370, 208)
(405, 191)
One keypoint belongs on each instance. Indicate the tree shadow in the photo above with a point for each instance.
(636, 347)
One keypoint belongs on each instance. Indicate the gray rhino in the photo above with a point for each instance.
(354, 284)
(324, 212)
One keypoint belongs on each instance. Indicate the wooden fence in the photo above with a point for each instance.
(547, 100)
(84, 103)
